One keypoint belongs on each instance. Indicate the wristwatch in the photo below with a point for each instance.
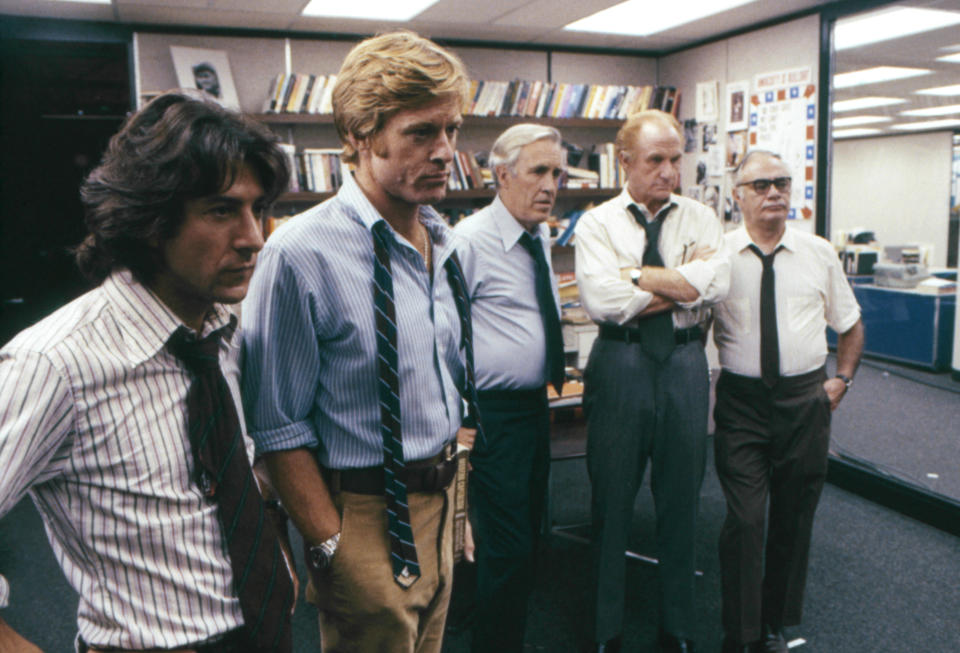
(847, 381)
(319, 556)
(635, 275)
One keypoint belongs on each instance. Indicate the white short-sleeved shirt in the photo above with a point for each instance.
(812, 292)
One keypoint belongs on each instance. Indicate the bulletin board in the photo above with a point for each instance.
(783, 115)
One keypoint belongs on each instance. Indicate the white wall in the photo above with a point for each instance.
(896, 186)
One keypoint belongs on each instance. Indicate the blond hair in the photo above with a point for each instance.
(627, 136)
(389, 73)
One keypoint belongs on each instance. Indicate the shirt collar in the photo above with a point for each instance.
(509, 229)
(363, 211)
(740, 239)
(626, 200)
(147, 323)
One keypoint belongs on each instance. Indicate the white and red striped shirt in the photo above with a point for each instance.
(93, 425)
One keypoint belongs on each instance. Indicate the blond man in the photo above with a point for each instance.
(355, 358)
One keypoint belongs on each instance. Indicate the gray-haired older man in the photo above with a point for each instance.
(505, 251)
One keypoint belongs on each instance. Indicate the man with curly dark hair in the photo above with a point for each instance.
(120, 413)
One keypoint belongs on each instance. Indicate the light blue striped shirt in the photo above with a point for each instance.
(508, 339)
(310, 362)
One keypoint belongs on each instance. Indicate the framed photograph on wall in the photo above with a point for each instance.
(206, 70)
(738, 94)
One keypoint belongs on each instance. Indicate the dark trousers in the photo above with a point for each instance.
(769, 444)
(508, 487)
(639, 409)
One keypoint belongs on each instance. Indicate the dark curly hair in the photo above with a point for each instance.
(177, 148)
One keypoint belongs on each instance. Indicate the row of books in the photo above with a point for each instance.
(537, 99)
(321, 170)
(468, 173)
(300, 93)
(316, 169)
(303, 93)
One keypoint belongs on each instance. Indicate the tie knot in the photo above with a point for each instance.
(766, 259)
(197, 355)
(530, 243)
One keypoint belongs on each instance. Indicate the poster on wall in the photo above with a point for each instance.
(707, 101)
(737, 93)
(207, 71)
(783, 114)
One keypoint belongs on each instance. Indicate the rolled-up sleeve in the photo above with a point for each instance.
(36, 427)
(605, 296)
(710, 276)
(281, 360)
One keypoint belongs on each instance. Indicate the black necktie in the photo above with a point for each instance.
(458, 287)
(260, 576)
(656, 331)
(769, 341)
(403, 551)
(556, 371)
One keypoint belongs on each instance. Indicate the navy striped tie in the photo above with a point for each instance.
(222, 471)
(403, 551)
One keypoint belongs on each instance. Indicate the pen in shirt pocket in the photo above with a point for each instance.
(686, 246)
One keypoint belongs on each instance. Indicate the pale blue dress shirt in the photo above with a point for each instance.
(508, 340)
(310, 351)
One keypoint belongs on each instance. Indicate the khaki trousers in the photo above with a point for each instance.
(361, 607)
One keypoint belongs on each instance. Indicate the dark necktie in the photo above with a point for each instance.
(222, 471)
(656, 331)
(769, 341)
(556, 371)
(403, 551)
(458, 287)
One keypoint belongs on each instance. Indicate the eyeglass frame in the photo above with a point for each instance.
(782, 184)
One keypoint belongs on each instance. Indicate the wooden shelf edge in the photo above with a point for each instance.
(303, 197)
(327, 119)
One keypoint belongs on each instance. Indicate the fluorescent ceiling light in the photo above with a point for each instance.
(859, 120)
(950, 58)
(875, 75)
(642, 17)
(928, 124)
(850, 133)
(865, 103)
(367, 9)
(944, 110)
(953, 89)
(889, 24)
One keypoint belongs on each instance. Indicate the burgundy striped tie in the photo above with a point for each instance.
(260, 576)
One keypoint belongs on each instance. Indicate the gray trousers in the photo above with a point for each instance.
(639, 409)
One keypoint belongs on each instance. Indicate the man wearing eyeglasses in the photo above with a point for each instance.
(649, 266)
(774, 400)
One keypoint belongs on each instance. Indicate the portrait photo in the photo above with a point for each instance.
(737, 111)
(207, 71)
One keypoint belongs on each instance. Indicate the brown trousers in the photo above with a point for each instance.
(361, 607)
(770, 444)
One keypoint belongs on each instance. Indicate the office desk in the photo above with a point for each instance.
(906, 326)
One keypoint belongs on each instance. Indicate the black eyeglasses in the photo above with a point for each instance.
(761, 186)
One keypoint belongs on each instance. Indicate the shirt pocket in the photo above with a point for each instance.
(735, 315)
(803, 311)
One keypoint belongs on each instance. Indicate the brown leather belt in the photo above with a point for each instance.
(432, 474)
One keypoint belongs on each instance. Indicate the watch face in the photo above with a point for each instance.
(319, 558)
